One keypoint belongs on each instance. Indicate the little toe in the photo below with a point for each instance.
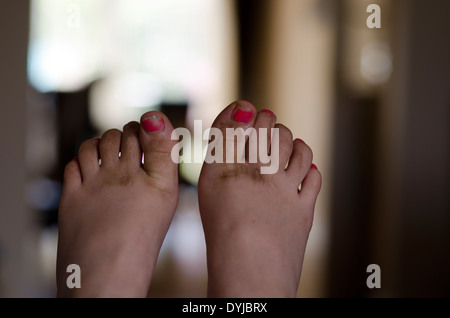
(130, 149)
(299, 162)
(311, 187)
(72, 175)
(109, 147)
(157, 145)
(88, 158)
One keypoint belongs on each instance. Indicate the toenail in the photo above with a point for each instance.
(313, 166)
(300, 140)
(268, 111)
(243, 114)
(153, 123)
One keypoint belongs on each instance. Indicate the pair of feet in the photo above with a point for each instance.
(113, 217)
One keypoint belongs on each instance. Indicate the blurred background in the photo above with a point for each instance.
(373, 104)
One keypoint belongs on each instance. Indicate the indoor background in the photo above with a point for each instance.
(373, 104)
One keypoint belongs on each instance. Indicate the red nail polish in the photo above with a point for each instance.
(153, 123)
(268, 111)
(313, 166)
(300, 140)
(243, 115)
(74, 159)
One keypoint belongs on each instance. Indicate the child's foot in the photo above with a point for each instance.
(113, 217)
(257, 225)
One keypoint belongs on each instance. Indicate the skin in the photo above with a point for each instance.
(113, 217)
(257, 226)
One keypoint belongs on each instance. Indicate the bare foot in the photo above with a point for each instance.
(113, 217)
(257, 225)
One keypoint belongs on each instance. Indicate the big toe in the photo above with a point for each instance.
(237, 114)
(229, 133)
(157, 147)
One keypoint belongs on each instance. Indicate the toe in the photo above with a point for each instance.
(109, 147)
(156, 143)
(299, 162)
(264, 122)
(72, 175)
(240, 114)
(237, 114)
(265, 119)
(130, 148)
(88, 158)
(310, 187)
(284, 146)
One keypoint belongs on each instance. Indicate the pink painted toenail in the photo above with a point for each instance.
(313, 166)
(268, 111)
(153, 123)
(243, 114)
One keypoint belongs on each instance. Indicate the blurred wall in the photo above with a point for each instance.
(390, 203)
(420, 103)
(17, 242)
